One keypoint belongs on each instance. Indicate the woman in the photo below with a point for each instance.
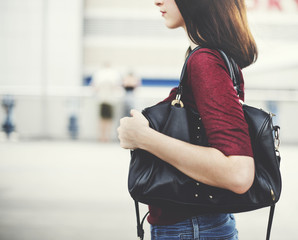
(228, 161)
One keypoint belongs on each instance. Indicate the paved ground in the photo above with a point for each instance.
(77, 190)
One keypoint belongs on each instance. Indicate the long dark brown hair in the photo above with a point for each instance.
(220, 24)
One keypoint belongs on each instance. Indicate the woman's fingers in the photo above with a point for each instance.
(140, 119)
(130, 128)
(126, 133)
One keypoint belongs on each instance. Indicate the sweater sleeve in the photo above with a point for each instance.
(218, 103)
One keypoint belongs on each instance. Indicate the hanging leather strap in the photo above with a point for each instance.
(140, 229)
(270, 220)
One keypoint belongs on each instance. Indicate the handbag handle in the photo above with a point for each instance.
(183, 78)
(232, 68)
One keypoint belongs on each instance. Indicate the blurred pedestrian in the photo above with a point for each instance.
(106, 82)
(129, 83)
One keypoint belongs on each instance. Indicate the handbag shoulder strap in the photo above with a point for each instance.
(230, 63)
(233, 70)
(183, 75)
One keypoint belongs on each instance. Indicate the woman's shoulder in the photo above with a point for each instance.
(205, 59)
(207, 68)
(206, 56)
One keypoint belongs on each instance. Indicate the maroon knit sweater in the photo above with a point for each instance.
(209, 89)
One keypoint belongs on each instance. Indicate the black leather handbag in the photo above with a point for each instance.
(155, 182)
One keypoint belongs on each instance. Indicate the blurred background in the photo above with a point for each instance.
(62, 172)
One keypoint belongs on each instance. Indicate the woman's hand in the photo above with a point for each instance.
(131, 131)
(204, 164)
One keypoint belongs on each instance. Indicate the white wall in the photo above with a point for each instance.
(40, 42)
(64, 42)
(21, 42)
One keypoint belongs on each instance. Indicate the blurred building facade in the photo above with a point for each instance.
(49, 48)
(40, 45)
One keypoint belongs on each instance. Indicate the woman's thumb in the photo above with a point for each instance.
(134, 113)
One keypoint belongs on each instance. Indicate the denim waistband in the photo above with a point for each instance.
(203, 227)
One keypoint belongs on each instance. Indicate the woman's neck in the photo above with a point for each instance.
(191, 43)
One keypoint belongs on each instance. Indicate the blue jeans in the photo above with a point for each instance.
(203, 227)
